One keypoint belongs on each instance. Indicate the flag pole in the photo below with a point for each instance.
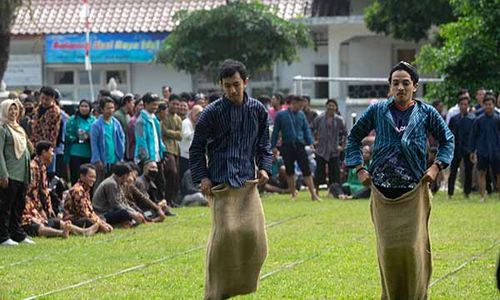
(88, 64)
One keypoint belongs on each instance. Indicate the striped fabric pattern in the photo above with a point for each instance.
(230, 142)
(423, 120)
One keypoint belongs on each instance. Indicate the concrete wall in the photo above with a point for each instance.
(308, 59)
(151, 77)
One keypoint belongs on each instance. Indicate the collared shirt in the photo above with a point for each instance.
(78, 205)
(235, 138)
(485, 136)
(413, 143)
(38, 202)
(330, 133)
(461, 126)
(109, 196)
(294, 128)
(151, 119)
(46, 124)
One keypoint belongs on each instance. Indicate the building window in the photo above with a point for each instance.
(64, 77)
(321, 88)
(120, 76)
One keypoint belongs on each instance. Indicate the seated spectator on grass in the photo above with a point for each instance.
(353, 188)
(146, 184)
(78, 204)
(278, 180)
(38, 217)
(109, 199)
(191, 195)
(140, 201)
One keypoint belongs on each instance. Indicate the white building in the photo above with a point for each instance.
(45, 36)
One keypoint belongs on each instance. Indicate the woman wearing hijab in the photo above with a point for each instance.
(14, 174)
(78, 139)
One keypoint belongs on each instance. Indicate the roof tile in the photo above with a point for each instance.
(63, 16)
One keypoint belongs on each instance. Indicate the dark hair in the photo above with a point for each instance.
(404, 66)
(229, 67)
(331, 100)
(163, 106)
(280, 97)
(137, 101)
(85, 168)
(29, 99)
(42, 146)
(104, 93)
(461, 92)
(126, 99)
(150, 98)
(435, 103)
(105, 100)
(294, 98)
(213, 97)
(489, 96)
(264, 99)
(175, 97)
(184, 96)
(48, 91)
(166, 87)
(133, 167)
(307, 98)
(120, 169)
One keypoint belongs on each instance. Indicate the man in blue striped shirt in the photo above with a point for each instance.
(233, 134)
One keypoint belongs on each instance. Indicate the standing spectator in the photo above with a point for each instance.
(455, 110)
(330, 133)
(14, 174)
(109, 199)
(29, 109)
(188, 126)
(46, 123)
(485, 143)
(461, 126)
(61, 166)
(123, 113)
(480, 98)
(277, 100)
(183, 110)
(296, 134)
(310, 113)
(77, 149)
(171, 129)
(439, 106)
(148, 142)
(78, 204)
(138, 107)
(166, 93)
(107, 140)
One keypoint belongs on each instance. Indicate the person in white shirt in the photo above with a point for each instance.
(187, 137)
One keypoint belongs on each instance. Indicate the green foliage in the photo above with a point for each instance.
(407, 20)
(468, 51)
(248, 32)
(332, 244)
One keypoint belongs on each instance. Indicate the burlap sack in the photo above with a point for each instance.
(403, 245)
(237, 246)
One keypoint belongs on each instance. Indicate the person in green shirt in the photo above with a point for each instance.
(77, 150)
(15, 174)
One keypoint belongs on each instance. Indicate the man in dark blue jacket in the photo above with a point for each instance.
(461, 126)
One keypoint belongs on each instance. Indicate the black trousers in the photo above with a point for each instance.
(74, 164)
(117, 216)
(12, 200)
(183, 167)
(455, 163)
(333, 170)
(172, 182)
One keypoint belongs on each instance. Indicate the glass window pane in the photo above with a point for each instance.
(64, 77)
(120, 76)
(84, 77)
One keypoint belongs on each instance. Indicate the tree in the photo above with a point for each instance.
(249, 32)
(407, 20)
(466, 52)
(7, 17)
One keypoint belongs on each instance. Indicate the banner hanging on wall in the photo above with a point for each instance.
(105, 47)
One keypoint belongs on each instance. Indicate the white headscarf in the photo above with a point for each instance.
(18, 133)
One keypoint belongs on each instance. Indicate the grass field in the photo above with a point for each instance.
(316, 251)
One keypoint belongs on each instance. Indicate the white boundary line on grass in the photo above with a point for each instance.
(462, 266)
(141, 266)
